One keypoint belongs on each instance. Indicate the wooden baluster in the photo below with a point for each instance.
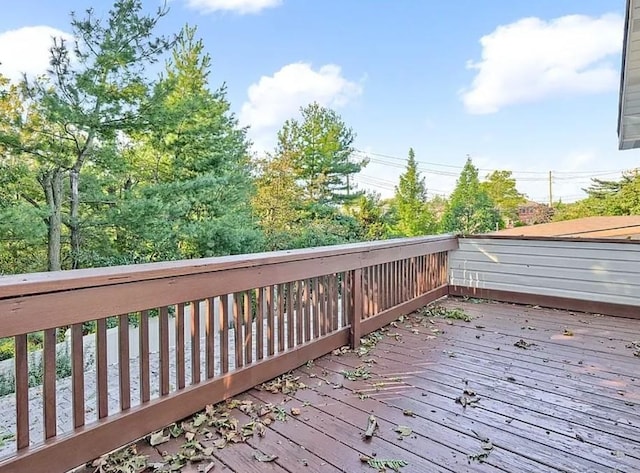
(248, 328)
(281, 299)
(237, 328)
(356, 315)
(210, 332)
(322, 306)
(101, 368)
(306, 304)
(163, 325)
(316, 308)
(224, 333)
(261, 303)
(299, 310)
(271, 336)
(290, 317)
(124, 368)
(77, 375)
(22, 391)
(49, 391)
(194, 308)
(180, 361)
(145, 382)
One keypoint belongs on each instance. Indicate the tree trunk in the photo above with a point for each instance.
(74, 223)
(51, 183)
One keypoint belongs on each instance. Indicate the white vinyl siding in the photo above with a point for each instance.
(592, 271)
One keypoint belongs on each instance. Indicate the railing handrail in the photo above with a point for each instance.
(55, 281)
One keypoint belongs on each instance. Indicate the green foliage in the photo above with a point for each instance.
(36, 372)
(470, 209)
(500, 186)
(410, 200)
(374, 217)
(620, 197)
(321, 148)
(382, 464)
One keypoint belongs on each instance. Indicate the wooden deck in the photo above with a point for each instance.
(569, 402)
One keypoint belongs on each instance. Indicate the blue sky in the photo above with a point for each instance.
(526, 86)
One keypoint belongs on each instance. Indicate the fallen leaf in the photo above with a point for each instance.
(158, 438)
(409, 413)
(403, 431)
(295, 411)
(264, 457)
(523, 344)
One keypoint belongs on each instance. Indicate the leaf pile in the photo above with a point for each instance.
(361, 372)
(445, 313)
(285, 384)
(369, 342)
(126, 460)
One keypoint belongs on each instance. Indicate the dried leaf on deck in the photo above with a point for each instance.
(403, 431)
(408, 413)
(523, 344)
(158, 438)
(264, 457)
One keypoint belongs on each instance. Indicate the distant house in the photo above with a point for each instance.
(532, 213)
(626, 227)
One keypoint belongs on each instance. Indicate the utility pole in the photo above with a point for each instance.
(550, 190)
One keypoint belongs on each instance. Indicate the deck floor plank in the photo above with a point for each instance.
(566, 404)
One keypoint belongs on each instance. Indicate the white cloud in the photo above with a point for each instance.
(533, 59)
(242, 7)
(26, 50)
(273, 99)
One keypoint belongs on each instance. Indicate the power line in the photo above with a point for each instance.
(570, 174)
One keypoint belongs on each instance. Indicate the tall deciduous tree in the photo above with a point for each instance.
(500, 186)
(322, 154)
(22, 216)
(277, 202)
(414, 217)
(470, 209)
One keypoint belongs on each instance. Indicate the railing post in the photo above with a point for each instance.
(356, 304)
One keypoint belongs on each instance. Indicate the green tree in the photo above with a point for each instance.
(277, 202)
(414, 217)
(500, 186)
(22, 219)
(187, 181)
(374, 218)
(321, 150)
(91, 93)
(470, 209)
(605, 197)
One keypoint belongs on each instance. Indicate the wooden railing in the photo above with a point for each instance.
(186, 334)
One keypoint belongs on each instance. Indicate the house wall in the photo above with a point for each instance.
(590, 271)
